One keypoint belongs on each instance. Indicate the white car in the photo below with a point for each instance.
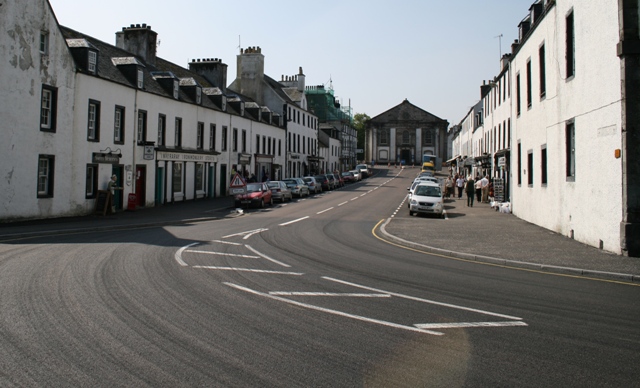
(427, 199)
(356, 175)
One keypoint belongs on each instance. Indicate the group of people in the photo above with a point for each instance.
(474, 188)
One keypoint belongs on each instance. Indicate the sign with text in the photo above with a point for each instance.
(184, 157)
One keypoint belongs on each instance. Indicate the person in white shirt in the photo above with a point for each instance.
(484, 184)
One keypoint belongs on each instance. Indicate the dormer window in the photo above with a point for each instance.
(140, 79)
(241, 108)
(92, 61)
(224, 103)
(176, 89)
(198, 95)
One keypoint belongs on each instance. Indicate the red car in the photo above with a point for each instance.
(257, 195)
(348, 177)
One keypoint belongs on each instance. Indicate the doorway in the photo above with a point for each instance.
(141, 178)
(117, 196)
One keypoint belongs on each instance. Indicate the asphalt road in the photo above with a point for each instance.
(306, 293)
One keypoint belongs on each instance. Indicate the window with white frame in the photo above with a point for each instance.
(44, 42)
(200, 136)
(212, 137)
(178, 132)
(45, 175)
(48, 108)
(91, 181)
(93, 121)
(199, 178)
(92, 61)
(176, 178)
(140, 79)
(162, 130)
(570, 139)
(142, 126)
(118, 125)
(176, 89)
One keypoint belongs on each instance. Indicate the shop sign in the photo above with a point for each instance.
(502, 161)
(99, 157)
(182, 157)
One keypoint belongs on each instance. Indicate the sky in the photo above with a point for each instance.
(374, 53)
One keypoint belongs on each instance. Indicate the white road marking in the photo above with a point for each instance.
(178, 255)
(335, 312)
(267, 257)
(223, 254)
(340, 204)
(354, 295)
(294, 221)
(423, 300)
(362, 195)
(468, 324)
(226, 242)
(244, 233)
(252, 233)
(325, 210)
(353, 199)
(248, 270)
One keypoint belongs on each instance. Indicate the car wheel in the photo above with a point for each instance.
(410, 213)
(262, 203)
(271, 202)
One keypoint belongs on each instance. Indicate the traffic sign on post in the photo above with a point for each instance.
(238, 185)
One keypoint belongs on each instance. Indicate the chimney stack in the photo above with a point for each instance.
(139, 40)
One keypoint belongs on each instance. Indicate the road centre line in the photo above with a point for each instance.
(247, 270)
(335, 312)
(291, 222)
(423, 300)
(362, 195)
(340, 204)
(178, 255)
(325, 210)
(353, 199)
(223, 254)
(267, 257)
(458, 325)
(355, 295)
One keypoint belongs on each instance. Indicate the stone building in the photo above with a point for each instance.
(403, 134)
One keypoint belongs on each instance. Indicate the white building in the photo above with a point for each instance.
(563, 114)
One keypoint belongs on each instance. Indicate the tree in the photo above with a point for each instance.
(360, 124)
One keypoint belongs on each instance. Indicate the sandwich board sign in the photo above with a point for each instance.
(238, 185)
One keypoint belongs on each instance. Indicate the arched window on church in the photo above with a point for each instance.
(427, 137)
(406, 137)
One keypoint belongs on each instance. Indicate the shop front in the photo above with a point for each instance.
(183, 175)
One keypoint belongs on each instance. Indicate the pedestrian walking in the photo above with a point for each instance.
(470, 189)
(478, 187)
(460, 184)
(112, 186)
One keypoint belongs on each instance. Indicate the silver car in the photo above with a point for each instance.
(297, 186)
(280, 191)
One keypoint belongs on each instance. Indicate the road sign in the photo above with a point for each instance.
(237, 182)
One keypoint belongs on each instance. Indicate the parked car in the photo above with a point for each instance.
(427, 199)
(257, 194)
(315, 187)
(297, 186)
(356, 175)
(364, 170)
(324, 182)
(338, 178)
(280, 191)
(348, 177)
(332, 181)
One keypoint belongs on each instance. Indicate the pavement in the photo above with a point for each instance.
(477, 233)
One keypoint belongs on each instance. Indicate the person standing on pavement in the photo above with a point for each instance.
(460, 184)
(448, 186)
(470, 189)
(478, 186)
(484, 185)
(112, 186)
